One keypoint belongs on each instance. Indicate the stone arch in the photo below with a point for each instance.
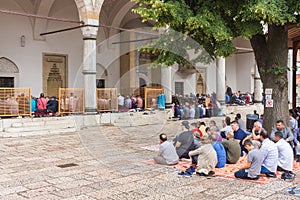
(120, 16)
(145, 78)
(8, 66)
(9, 73)
(101, 71)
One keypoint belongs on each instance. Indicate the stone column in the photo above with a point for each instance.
(166, 82)
(258, 87)
(89, 70)
(221, 80)
(134, 80)
(221, 83)
(290, 77)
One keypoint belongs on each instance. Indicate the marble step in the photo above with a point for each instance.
(39, 132)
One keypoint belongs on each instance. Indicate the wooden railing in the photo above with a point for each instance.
(71, 100)
(107, 99)
(15, 102)
(151, 95)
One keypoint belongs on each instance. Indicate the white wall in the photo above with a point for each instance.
(230, 71)
(245, 63)
(29, 58)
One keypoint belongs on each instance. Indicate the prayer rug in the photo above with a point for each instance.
(182, 165)
(226, 172)
(229, 169)
(151, 147)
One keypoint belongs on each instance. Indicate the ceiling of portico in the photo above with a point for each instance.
(294, 33)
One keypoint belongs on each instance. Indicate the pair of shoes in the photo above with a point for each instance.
(180, 174)
(271, 175)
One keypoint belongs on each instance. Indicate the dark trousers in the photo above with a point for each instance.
(244, 175)
(195, 159)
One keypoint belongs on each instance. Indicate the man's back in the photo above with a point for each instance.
(285, 155)
(221, 154)
(168, 152)
(270, 155)
(187, 142)
(233, 151)
(256, 159)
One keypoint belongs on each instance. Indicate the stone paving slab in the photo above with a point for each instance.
(109, 166)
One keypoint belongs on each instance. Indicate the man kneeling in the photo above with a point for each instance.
(167, 154)
(251, 170)
(285, 157)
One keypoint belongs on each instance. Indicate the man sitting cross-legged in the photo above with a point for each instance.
(251, 170)
(207, 158)
(221, 153)
(167, 154)
(285, 157)
(232, 148)
(184, 142)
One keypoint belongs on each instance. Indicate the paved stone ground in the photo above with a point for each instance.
(109, 167)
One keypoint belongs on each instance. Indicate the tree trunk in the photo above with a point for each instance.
(271, 52)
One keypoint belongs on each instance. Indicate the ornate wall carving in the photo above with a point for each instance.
(7, 66)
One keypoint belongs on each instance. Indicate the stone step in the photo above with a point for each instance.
(40, 132)
(28, 124)
(39, 128)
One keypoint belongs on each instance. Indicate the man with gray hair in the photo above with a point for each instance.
(255, 136)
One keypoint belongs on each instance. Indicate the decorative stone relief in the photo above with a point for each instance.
(7, 66)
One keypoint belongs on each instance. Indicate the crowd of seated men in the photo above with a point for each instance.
(260, 152)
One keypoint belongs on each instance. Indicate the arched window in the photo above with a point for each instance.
(8, 72)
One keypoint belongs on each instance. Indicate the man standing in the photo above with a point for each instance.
(232, 149)
(270, 156)
(120, 101)
(229, 93)
(184, 142)
(253, 165)
(167, 154)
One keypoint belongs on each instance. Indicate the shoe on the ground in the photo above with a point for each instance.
(201, 174)
(271, 175)
(188, 174)
(180, 174)
(190, 169)
(211, 174)
(288, 176)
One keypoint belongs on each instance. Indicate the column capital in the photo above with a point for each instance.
(90, 31)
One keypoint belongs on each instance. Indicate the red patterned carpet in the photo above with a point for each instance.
(227, 171)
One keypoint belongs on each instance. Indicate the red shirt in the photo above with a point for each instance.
(42, 103)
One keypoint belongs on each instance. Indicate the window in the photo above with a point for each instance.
(179, 88)
(7, 82)
(100, 83)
